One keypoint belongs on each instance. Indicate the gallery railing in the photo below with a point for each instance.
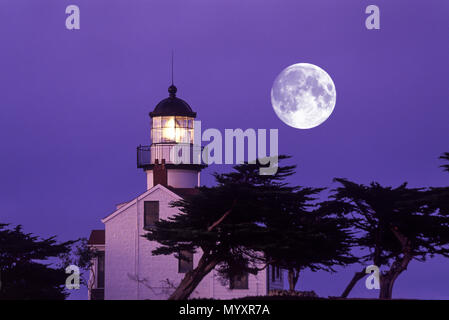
(170, 154)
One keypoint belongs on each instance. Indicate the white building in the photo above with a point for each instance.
(125, 267)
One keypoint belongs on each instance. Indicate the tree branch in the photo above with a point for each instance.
(357, 276)
(216, 223)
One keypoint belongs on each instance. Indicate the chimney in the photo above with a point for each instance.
(160, 173)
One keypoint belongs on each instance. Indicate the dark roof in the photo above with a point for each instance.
(184, 192)
(172, 106)
(97, 237)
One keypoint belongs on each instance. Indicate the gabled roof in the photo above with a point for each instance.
(175, 192)
(97, 237)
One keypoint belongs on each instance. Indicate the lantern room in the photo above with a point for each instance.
(172, 120)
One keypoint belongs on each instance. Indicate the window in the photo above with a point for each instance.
(239, 281)
(185, 261)
(275, 273)
(151, 213)
(100, 270)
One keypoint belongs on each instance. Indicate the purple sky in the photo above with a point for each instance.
(74, 104)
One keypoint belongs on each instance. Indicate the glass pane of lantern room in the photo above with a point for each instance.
(168, 129)
(168, 122)
(156, 134)
(180, 135)
(183, 135)
(181, 122)
(156, 122)
(190, 135)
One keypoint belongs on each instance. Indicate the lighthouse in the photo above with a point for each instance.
(172, 138)
(125, 267)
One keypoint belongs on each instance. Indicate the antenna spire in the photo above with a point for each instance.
(172, 89)
(172, 54)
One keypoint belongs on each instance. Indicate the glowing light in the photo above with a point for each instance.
(168, 129)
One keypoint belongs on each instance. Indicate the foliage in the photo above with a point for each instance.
(249, 220)
(445, 156)
(25, 269)
(81, 255)
(225, 221)
(395, 225)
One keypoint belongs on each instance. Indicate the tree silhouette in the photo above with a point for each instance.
(396, 225)
(224, 223)
(445, 156)
(25, 272)
(242, 224)
(304, 237)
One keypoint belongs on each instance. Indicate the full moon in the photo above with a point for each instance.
(303, 96)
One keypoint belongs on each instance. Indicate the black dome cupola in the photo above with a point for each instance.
(172, 106)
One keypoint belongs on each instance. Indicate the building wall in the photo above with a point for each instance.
(150, 179)
(120, 235)
(132, 272)
(179, 178)
(276, 283)
(256, 287)
(92, 283)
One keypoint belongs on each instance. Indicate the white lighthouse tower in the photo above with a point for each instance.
(172, 133)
